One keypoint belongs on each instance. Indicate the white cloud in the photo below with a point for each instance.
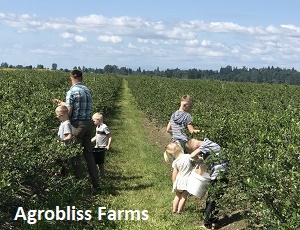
(66, 35)
(194, 42)
(67, 45)
(46, 52)
(149, 41)
(225, 27)
(166, 41)
(91, 20)
(160, 38)
(113, 39)
(73, 37)
(131, 46)
(291, 28)
(79, 38)
(206, 43)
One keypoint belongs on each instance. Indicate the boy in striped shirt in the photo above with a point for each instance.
(180, 121)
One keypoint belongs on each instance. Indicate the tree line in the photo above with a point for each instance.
(270, 74)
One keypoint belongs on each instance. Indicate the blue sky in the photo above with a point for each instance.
(149, 34)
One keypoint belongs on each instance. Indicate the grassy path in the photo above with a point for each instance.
(137, 178)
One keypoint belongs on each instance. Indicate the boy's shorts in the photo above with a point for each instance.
(99, 155)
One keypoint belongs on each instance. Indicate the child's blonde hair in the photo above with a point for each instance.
(62, 109)
(190, 145)
(98, 116)
(186, 99)
(173, 150)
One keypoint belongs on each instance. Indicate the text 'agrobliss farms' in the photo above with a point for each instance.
(74, 214)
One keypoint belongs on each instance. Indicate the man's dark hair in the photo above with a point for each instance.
(76, 73)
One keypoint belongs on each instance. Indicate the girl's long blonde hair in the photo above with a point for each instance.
(173, 150)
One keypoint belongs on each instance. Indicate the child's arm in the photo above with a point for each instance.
(174, 174)
(67, 138)
(169, 128)
(109, 141)
(192, 130)
(195, 153)
(93, 139)
(201, 166)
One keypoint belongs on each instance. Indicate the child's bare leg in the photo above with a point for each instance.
(182, 201)
(176, 201)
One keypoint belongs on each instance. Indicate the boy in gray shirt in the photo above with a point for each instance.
(180, 121)
(103, 140)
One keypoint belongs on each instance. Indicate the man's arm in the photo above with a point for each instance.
(59, 102)
(69, 110)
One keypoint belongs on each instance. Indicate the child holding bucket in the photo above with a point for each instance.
(103, 140)
(182, 167)
(206, 148)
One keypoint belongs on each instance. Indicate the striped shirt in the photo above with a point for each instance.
(208, 146)
(219, 165)
(179, 122)
(80, 98)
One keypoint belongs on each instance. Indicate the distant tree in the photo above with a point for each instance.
(123, 71)
(192, 73)
(169, 73)
(116, 69)
(84, 69)
(101, 71)
(28, 67)
(226, 70)
(109, 69)
(39, 66)
(54, 66)
(4, 65)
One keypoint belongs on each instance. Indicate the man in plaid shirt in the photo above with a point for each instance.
(79, 104)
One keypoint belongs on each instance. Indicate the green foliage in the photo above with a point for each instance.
(257, 126)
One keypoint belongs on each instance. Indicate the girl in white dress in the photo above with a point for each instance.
(182, 167)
